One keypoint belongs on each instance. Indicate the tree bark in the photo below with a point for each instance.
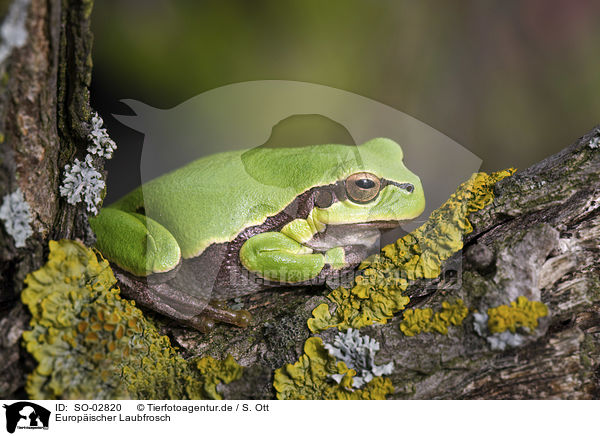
(44, 115)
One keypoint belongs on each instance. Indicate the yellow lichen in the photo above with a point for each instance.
(425, 320)
(309, 378)
(520, 313)
(377, 293)
(91, 344)
(216, 372)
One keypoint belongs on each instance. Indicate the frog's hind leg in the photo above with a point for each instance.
(135, 243)
(218, 312)
(179, 305)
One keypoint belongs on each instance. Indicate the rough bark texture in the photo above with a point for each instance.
(43, 113)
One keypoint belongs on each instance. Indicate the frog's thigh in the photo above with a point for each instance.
(275, 256)
(135, 242)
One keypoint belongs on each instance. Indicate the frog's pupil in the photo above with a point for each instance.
(365, 183)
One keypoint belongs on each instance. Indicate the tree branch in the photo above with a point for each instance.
(43, 112)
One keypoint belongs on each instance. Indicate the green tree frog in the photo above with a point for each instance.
(238, 222)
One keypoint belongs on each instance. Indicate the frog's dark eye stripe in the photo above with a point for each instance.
(362, 187)
(408, 187)
(324, 199)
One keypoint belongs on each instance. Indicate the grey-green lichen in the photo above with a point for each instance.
(377, 293)
(100, 143)
(16, 215)
(13, 30)
(358, 353)
(83, 183)
(426, 320)
(310, 378)
(92, 344)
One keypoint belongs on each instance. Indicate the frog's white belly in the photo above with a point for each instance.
(344, 236)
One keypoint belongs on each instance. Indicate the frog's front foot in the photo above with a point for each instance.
(217, 312)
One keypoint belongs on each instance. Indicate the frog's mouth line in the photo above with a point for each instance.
(384, 225)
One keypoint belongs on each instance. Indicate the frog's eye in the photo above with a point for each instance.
(362, 187)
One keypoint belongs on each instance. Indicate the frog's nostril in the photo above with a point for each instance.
(409, 188)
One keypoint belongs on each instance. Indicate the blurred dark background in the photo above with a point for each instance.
(512, 81)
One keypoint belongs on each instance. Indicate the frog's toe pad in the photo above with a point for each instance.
(242, 318)
(204, 324)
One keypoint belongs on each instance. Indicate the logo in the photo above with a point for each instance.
(248, 119)
(26, 415)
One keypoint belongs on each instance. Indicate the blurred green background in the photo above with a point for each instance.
(512, 81)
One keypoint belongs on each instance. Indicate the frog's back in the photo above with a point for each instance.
(211, 200)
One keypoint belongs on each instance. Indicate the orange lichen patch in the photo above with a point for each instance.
(91, 336)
